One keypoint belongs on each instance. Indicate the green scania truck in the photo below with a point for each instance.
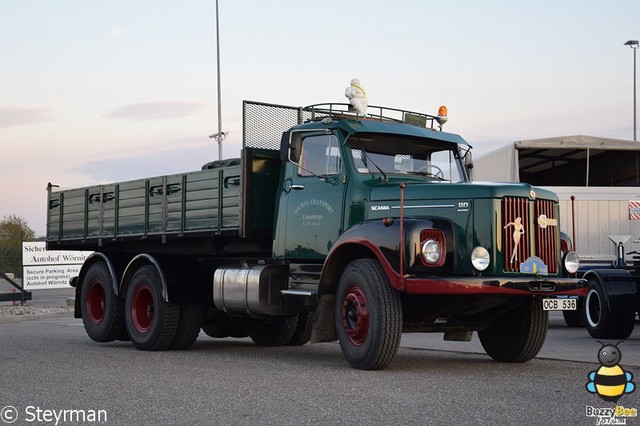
(331, 226)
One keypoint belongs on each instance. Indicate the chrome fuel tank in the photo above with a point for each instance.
(253, 290)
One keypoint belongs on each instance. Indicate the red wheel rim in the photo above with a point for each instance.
(142, 308)
(355, 315)
(96, 301)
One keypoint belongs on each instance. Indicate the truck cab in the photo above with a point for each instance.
(336, 171)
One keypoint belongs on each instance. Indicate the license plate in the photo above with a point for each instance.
(559, 304)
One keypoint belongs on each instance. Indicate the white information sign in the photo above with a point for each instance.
(49, 269)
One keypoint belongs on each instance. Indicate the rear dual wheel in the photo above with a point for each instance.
(600, 322)
(153, 323)
(191, 317)
(102, 310)
(518, 334)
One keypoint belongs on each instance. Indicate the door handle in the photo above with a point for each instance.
(289, 185)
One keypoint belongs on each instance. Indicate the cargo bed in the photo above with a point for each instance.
(208, 201)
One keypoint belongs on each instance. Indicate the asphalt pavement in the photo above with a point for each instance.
(48, 366)
(562, 343)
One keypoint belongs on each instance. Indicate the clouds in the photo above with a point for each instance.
(167, 157)
(157, 110)
(20, 116)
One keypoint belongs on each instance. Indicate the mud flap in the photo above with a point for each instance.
(324, 327)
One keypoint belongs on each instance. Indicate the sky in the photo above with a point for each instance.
(94, 91)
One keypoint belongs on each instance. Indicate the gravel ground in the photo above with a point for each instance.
(30, 311)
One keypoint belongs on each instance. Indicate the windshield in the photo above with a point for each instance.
(393, 155)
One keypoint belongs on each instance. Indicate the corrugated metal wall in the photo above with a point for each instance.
(599, 212)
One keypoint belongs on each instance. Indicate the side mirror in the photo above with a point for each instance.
(290, 147)
(294, 147)
(468, 164)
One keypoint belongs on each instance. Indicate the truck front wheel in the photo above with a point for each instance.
(272, 332)
(518, 334)
(102, 311)
(151, 321)
(226, 327)
(368, 316)
(601, 323)
(302, 332)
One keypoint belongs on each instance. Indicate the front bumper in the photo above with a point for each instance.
(496, 285)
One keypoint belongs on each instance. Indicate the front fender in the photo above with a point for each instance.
(375, 239)
(621, 290)
(137, 262)
(372, 239)
(93, 258)
(79, 280)
(378, 240)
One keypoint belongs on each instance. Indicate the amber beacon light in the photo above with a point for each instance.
(442, 116)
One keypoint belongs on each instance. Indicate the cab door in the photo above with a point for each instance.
(310, 215)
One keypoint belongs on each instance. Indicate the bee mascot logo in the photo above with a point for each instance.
(610, 381)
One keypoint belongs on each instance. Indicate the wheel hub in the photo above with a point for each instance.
(96, 301)
(355, 315)
(142, 308)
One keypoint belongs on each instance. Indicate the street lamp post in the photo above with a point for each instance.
(634, 45)
(220, 136)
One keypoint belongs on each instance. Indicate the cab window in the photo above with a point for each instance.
(320, 156)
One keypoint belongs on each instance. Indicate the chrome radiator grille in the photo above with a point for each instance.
(530, 228)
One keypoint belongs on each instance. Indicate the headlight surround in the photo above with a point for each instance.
(571, 262)
(480, 258)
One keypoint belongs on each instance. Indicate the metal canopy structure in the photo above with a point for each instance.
(578, 161)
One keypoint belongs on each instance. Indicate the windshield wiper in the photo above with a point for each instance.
(366, 157)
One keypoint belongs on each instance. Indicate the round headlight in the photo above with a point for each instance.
(571, 262)
(480, 258)
(431, 251)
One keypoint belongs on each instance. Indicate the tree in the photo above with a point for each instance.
(13, 231)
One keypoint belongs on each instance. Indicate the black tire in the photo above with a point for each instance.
(368, 316)
(600, 322)
(575, 318)
(151, 322)
(518, 334)
(226, 327)
(272, 332)
(304, 327)
(188, 327)
(102, 311)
